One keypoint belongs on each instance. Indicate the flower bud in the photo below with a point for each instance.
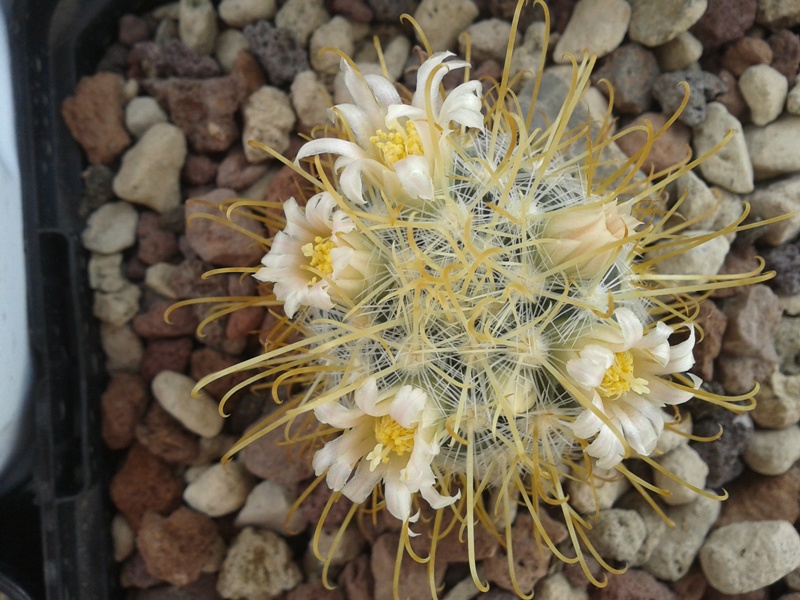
(585, 236)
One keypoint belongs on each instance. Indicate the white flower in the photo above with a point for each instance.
(390, 437)
(315, 250)
(393, 142)
(622, 369)
(581, 232)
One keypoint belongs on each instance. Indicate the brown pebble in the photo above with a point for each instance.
(531, 560)
(165, 355)
(204, 109)
(155, 244)
(244, 322)
(268, 458)
(748, 346)
(505, 9)
(212, 333)
(354, 10)
(634, 585)
(135, 574)
(152, 324)
(248, 73)
(178, 547)
(452, 549)
(186, 280)
(144, 483)
(205, 361)
(217, 243)
(356, 580)
(314, 505)
(724, 21)
(733, 99)
(122, 405)
(785, 54)
(744, 53)
(287, 184)
(135, 269)
(413, 580)
(236, 172)
(314, 591)
(712, 321)
(691, 586)
(170, 59)
(199, 169)
(754, 497)
(94, 117)
(165, 437)
(667, 151)
(631, 70)
(204, 588)
(712, 594)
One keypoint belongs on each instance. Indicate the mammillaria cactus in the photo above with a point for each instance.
(473, 309)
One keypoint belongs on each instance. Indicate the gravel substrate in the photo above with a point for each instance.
(167, 117)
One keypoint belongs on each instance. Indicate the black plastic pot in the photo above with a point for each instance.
(54, 43)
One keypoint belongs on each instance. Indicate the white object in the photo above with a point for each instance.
(15, 364)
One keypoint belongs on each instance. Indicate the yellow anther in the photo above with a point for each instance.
(392, 437)
(619, 378)
(319, 251)
(398, 143)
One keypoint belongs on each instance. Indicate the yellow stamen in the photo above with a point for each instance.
(397, 144)
(619, 378)
(392, 437)
(319, 251)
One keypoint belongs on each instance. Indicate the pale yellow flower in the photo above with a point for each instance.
(315, 255)
(392, 143)
(390, 436)
(622, 370)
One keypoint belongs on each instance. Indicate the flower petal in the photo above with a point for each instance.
(591, 365)
(630, 326)
(407, 405)
(429, 73)
(362, 94)
(366, 398)
(399, 111)
(607, 449)
(330, 146)
(336, 415)
(415, 177)
(351, 183)
(437, 500)
(384, 91)
(397, 496)
(357, 120)
(363, 482)
(319, 209)
(340, 455)
(463, 105)
(588, 423)
(681, 356)
(663, 393)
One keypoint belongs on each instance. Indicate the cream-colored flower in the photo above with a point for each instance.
(393, 142)
(622, 370)
(391, 437)
(315, 257)
(583, 232)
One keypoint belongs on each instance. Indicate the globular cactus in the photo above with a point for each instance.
(473, 312)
